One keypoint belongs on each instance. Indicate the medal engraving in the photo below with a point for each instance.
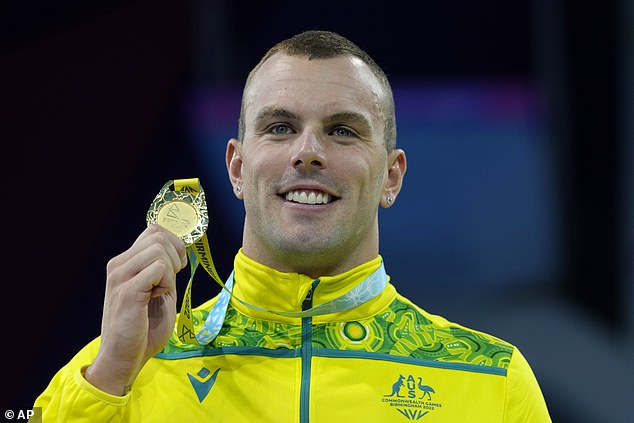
(182, 212)
(178, 216)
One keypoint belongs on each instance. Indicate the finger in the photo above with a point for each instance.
(154, 280)
(154, 234)
(168, 244)
(157, 243)
(152, 256)
(175, 241)
(152, 253)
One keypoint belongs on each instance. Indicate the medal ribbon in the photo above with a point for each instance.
(199, 253)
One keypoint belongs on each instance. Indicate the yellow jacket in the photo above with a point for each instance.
(383, 361)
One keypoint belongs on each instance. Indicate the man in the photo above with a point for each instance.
(314, 159)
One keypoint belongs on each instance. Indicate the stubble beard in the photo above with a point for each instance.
(307, 248)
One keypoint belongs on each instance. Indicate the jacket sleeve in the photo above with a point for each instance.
(69, 397)
(524, 402)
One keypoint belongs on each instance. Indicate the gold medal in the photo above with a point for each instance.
(180, 207)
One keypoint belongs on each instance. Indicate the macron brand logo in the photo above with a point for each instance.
(202, 382)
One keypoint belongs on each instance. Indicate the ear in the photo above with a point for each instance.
(397, 164)
(234, 166)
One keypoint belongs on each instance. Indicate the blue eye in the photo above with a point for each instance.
(280, 129)
(342, 132)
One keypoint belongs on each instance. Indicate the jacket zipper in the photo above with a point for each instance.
(307, 354)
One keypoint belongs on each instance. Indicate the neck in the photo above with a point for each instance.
(312, 262)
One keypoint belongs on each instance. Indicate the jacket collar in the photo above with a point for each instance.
(268, 288)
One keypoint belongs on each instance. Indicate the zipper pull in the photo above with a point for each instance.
(308, 300)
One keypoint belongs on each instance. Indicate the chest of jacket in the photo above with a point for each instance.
(388, 368)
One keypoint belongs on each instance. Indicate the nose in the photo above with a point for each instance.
(308, 151)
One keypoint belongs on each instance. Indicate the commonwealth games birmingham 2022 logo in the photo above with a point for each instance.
(411, 397)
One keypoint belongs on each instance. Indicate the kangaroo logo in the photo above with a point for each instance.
(412, 398)
(396, 387)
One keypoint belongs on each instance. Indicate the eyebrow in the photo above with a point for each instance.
(272, 112)
(349, 117)
(341, 117)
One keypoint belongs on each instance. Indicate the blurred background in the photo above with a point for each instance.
(517, 215)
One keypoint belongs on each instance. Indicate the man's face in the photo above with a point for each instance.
(312, 167)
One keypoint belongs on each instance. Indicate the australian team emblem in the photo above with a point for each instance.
(411, 396)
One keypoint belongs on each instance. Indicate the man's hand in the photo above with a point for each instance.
(139, 308)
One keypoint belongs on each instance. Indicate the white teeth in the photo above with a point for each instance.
(308, 198)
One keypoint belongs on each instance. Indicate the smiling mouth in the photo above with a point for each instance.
(309, 197)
